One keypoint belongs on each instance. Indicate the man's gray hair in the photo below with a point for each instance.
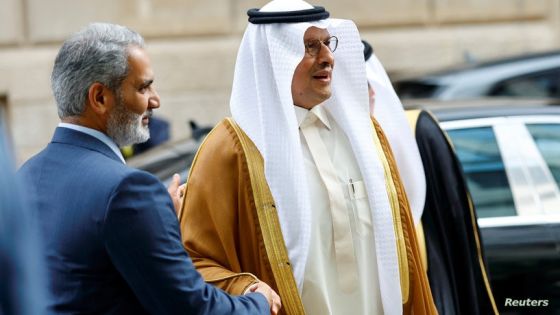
(98, 53)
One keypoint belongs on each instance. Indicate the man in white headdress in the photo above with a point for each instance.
(443, 214)
(299, 189)
(392, 118)
(390, 115)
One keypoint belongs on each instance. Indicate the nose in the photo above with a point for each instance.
(325, 56)
(153, 102)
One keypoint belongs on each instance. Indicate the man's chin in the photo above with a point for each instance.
(143, 136)
(325, 95)
(138, 137)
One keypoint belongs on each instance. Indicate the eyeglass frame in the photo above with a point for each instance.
(323, 43)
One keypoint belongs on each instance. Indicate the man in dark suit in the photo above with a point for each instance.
(111, 235)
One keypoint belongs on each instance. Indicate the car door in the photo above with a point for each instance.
(506, 164)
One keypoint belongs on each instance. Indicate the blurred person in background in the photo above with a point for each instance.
(387, 110)
(110, 232)
(455, 261)
(446, 223)
(23, 288)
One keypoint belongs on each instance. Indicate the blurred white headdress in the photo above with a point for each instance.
(390, 114)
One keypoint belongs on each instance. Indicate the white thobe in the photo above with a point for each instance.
(322, 291)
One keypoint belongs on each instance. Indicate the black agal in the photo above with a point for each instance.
(309, 15)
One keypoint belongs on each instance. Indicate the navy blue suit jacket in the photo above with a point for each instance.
(112, 237)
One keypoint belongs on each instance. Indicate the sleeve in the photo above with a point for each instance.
(217, 227)
(142, 238)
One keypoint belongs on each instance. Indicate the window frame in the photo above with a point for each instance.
(520, 166)
(500, 84)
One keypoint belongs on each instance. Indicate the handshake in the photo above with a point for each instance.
(272, 297)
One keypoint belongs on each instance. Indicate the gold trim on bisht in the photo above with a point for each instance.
(397, 223)
(270, 226)
(412, 117)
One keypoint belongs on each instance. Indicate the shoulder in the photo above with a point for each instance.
(109, 173)
(220, 161)
(128, 178)
(133, 175)
(138, 191)
(32, 162)
(223, 141)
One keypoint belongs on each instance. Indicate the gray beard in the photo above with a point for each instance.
(125, 127)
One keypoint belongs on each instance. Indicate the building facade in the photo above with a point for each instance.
(193, 45)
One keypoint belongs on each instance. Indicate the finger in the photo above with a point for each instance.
(274, 303)
(252, 288)
(176, 180)
(274, 309)
(181, 190)
(174, 185)
(278, 304)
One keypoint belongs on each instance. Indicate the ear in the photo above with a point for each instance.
(100, 98)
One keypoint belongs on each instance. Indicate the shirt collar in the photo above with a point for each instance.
(96, 134)
(318, 110)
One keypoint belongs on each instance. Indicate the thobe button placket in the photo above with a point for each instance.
(344, 249)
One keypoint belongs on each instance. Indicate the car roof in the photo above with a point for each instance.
(472, 80)
(497, 63)
(485, 107)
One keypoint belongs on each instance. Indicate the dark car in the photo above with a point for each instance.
(534, 75)
(167, 159)
(510, 154)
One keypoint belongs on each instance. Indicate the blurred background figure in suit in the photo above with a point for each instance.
(22, 284)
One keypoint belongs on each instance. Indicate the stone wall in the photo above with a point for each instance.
(193, 45)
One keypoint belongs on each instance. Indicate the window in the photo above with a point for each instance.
(415, 89)
(547, 138)
(484, 170)
(541, 84)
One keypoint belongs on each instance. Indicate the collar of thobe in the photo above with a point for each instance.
(305, 116)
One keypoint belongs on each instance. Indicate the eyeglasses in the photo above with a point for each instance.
(313, 47)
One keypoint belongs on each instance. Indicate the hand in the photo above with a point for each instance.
(176, 192)
(272, 297)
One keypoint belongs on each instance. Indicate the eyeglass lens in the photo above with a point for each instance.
(314, 47)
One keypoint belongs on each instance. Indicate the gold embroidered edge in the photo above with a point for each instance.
(397, 223)
(270, 226)
(412, 118)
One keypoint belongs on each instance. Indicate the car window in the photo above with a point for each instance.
(414, 89)
(479, 154)
(547, 139)
(542, 84)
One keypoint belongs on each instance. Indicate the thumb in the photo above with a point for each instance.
(174, 185)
